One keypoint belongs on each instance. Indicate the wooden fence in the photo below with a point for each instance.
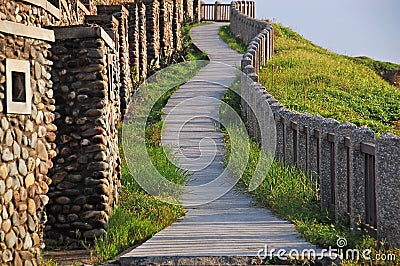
(215, 12)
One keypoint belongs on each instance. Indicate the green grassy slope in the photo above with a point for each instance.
(307, 78)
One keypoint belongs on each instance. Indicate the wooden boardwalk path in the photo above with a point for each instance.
(229, 230)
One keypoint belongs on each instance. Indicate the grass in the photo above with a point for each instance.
(235, 42)
(307, 78)
(293, 196)
(190, 50)
(378, 66)
(138, 215)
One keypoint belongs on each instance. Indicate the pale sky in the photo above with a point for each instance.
(350, 27)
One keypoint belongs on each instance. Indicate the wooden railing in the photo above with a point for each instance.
(215, 12)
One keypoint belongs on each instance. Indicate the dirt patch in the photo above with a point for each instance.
(393, 77)
(68, 257)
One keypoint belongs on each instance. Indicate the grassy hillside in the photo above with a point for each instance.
(308, 78)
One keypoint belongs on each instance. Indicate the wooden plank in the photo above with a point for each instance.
(368, 148)
(231, 226)
(26, 31)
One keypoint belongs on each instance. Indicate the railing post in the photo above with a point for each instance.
(357, 174)
(387, 188)
(217, 13)
(342, 163)
(202, 11)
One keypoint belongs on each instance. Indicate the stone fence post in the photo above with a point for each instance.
(327, 162)
(303, 141)
(342, 168)
(357, 174)
(388, 188)
(314, 124)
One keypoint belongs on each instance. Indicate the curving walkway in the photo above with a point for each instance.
(229, 230)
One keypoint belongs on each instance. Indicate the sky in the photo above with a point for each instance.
(350, 27)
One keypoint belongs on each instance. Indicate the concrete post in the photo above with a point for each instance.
(327, 163)
(357, 174)
(387, 188)
(342, 168)
(314, 124)
(302, 162)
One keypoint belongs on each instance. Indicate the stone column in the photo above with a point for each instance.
(85, 178)
(280, 134)
(387, 188)
(289, 135)
(327, 163)
(143, 63)
(302, 162)
(153, 34)
(314, 147)
(342, 168)
(177, 23)
(357, 174)
(122, 15)
(133, 39)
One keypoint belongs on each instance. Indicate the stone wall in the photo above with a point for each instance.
(188, 11)
(177, 24)
(357, 172)
(166, 28)
(122, 15)
(153, 33)
(27, 130)
(80, 80)
(86, 170)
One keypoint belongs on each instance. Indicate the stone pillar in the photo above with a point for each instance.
(85, 178)
(280, 134)
(302, 161)
(197, 10)
(357, 174)
(314, 147)
(327, 164)
(342, 169)
(122, 15)
(290, 136)
(90, 5)
(387, 188)
(133, 39)
(177, 23)
(166, 29)
(143, 63)
(153, 34)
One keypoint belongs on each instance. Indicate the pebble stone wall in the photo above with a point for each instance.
(27, 140)
(60, 164)
(87, 168)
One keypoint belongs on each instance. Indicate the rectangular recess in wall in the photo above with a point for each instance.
(18, 87)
